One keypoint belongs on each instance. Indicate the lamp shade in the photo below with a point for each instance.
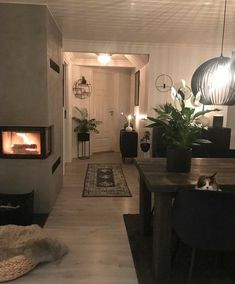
(214, 80)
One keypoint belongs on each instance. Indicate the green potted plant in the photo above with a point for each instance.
(181, 130)
(84, 125)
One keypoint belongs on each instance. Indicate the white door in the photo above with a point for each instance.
(103, 106)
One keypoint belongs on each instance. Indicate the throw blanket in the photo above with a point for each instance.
(23, 247)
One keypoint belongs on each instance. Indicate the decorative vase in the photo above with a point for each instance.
(128, 124)
(179, 160)
(83, 80)
(128, 129)
(145, 146)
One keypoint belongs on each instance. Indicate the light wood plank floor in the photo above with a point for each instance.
(93, 229)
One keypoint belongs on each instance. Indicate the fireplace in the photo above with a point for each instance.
(25, 142)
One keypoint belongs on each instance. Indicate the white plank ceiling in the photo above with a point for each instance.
(154, 21)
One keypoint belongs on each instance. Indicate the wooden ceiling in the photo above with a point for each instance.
(162, 21)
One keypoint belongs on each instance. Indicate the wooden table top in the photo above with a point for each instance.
(157, 179)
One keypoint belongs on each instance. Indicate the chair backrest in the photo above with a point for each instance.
(205, 219)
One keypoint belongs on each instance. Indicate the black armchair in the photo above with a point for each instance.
(205, 220)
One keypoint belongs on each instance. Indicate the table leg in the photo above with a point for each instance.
(145, 208)
(162, 229)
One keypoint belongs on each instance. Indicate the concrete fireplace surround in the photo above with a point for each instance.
(31, 95)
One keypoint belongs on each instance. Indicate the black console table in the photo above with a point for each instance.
(128, 144)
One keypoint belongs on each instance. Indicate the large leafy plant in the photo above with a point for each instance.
(85, 125)
(180, 127)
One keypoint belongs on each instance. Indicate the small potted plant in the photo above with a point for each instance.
(84, 125)
(181, 130)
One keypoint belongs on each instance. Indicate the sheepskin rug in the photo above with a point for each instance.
(29, 244)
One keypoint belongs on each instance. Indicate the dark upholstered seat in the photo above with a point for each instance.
(205, 220)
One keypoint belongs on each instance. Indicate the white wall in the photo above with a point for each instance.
(142, 109)
(68, 131)
(179, 62)
(125, 96)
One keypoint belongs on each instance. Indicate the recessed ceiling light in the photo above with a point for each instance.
(104, 58)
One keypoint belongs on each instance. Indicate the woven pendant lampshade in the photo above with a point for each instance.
(214, 80)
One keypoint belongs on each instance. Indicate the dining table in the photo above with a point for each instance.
(157, 190)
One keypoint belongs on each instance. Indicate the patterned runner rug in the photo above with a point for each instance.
(105, 180)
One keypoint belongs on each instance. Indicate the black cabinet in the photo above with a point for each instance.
(218, 148)
(220, 138)
(128, 144)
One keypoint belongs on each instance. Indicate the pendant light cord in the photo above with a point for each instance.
(222, 44)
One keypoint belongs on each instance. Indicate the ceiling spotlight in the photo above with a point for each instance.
(104, 58)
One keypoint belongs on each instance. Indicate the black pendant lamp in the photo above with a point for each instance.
(214, 80)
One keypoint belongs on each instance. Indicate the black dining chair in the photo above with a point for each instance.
(204, 220)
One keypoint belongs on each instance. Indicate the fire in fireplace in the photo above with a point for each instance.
(25, 142)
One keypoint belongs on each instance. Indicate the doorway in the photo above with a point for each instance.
(112, 94)
(102, 110)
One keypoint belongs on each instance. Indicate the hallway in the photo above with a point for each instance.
(93, 229)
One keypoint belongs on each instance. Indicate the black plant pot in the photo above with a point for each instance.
(145, 146)
(83, 136)
(179, 160)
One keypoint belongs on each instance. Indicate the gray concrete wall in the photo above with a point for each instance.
(30, 94)
(54, 90)
(23, 89)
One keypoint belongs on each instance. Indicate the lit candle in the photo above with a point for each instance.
(129, 117)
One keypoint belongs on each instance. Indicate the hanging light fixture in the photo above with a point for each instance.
(214, 80)
(104, 58)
